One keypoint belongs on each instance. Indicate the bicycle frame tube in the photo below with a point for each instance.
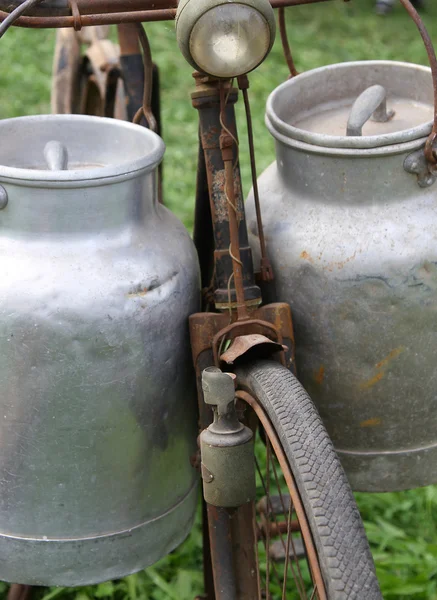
(206, 99)
(231, 541)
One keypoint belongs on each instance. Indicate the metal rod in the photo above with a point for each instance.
(429, 151)
(266, 267)
(15, 14)
(220, 536)
(235, 242)
(61, 8)
(285, 44)
(245, 552)
(144, 16)
(145, 110)
(141, 11)
(128, 40)
(285, 3)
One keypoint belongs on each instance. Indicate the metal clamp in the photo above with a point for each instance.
(371, 103)
(417, 164)
(75, 12)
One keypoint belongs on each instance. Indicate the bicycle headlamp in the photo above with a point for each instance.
(225, 38)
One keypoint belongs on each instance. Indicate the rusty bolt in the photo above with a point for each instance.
(226, 146)
(226, 141)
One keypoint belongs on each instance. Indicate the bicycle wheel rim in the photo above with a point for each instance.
(303, 589)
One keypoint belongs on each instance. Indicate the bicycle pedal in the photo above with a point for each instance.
(296, 551)
(274, 505)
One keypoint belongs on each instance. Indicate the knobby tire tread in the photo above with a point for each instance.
(335, 522)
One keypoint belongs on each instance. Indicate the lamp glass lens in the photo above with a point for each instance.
(229, 40)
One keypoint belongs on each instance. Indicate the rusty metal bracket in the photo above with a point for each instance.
(417, 164)
(242, 344)
(274, 321)
(242, 328)
(77, 18)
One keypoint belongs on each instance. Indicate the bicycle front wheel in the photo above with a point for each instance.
(311, 541)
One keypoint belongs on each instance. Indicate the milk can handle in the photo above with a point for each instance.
(430, 154)
(56, 156)
(372, 101)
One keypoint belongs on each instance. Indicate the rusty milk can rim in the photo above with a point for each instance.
(290, 134)
(145, 162)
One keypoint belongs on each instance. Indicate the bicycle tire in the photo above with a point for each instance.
(342, 548)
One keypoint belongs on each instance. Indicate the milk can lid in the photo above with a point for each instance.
(355, 105)
(74, 148)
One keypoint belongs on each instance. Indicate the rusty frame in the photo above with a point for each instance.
(207, 329)
(229, 534)
(219, 163)
(114, 12)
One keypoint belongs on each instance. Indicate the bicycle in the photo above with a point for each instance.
(321, 541)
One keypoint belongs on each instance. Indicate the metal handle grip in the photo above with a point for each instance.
(56, 156)
(372, 102)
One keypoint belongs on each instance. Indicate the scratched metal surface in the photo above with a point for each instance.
(97, 401)
(353, 243)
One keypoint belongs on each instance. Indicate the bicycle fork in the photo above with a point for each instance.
(217, 338)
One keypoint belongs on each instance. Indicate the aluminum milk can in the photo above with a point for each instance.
(350, 215)
(97, 394)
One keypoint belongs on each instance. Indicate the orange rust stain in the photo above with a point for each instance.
(320, 375)
(340, 264)
(371, 382)
(329, 266)
(380, 368)
(393, 354)
(138, 294)
(306, 256)
(371, 422)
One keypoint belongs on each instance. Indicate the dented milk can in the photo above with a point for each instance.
(97, 417)
(350, 215)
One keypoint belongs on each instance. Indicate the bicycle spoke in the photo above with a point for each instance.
(266, 486)
(258, 575)
(266, 547)
(268, 529)
(296, 559)
(284, 588)
(273, 564)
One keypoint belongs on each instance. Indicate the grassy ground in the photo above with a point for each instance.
(401, 527)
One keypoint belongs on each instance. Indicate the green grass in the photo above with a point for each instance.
(401, 527)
